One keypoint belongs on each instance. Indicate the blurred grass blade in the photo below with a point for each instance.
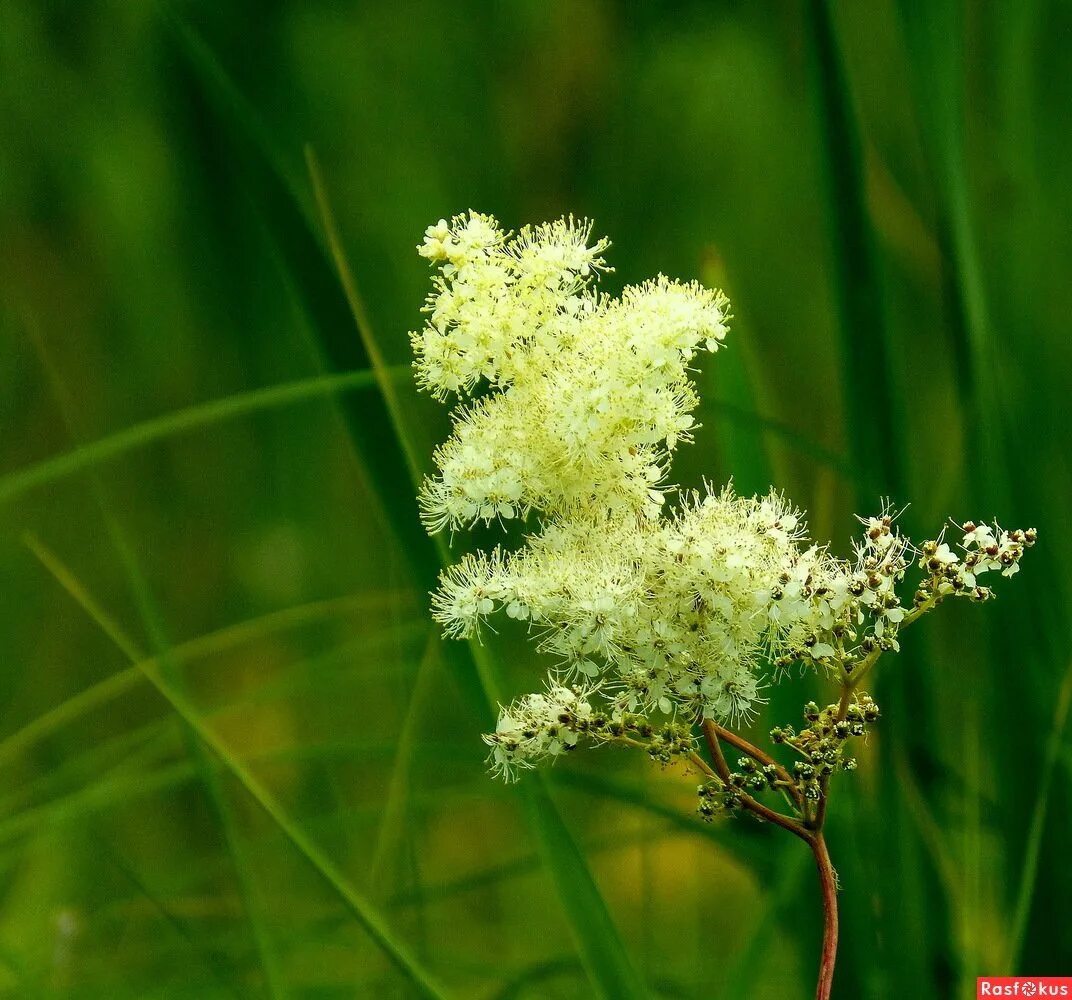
(538, 972)
(1032, 851)
(429, 555)
(361, 319)
(209, 778)
(228, 637)
(153, 622)
(392, 826)
(210, 960)
(744, 451)
(135, 748)
(755, 850)
(740, 976)
(872, 405)
(365, 913)
(873, 416)
(736, 384)
(523, 866)
(289, 219)
(933, 34)
(87, 456)
(609, 966)
(106, 792)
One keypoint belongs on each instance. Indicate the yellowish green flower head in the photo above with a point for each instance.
(568, 406)
(584, 396)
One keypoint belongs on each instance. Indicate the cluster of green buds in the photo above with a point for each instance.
(664, 743)
(822, 742)
(751, 778)
(717, 799)
(821, 747)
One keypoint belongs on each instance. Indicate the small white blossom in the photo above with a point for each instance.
(537, 727)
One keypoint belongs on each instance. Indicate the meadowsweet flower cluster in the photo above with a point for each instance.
(668, 613)
(588, 394)
(569, 406)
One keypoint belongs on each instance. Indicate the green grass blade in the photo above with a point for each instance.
(392, 826)
(873, 414)
(1032, 851)
(740, 978)
(333, 877)
(117, 684)
(379, 365)
(105, 793)
(536, 973)
(521, 867)
(290, 221)
(735, 392)
(754, 850)
(609, 966)
(761, 462)
(601, 947)
(209, 777)
(133, 748)
(210, 961)
(934, 36)
(142, 435)
(871, 398)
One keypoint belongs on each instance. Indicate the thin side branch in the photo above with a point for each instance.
(711, 734)
(740, 743)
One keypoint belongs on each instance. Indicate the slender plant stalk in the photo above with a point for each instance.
(828, 887)
(740, 743)
(810, 832)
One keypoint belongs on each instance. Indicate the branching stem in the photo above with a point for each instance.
(712, 733)
(740, 743)
(809, 831)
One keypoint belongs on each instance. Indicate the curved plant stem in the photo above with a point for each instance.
(740, 743)
(712, 734)
(828, 887)
(811, 833)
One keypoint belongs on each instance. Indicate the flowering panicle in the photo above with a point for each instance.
(983, 549)
(589, 394)
(669, 613)
(581, 400)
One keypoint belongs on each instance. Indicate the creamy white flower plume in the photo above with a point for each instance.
(588, 396)
(581, 400)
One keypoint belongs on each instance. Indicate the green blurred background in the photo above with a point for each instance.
(198, 469)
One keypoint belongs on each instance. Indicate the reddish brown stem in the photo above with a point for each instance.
(820, 810)
(828, 886)
(711, 734)
(740, 743)
(847, 689)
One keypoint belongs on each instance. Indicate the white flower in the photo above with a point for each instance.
(537, 726)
